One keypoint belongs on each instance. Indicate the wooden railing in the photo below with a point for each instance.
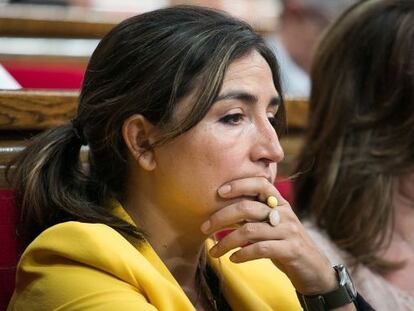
(36, 110)
(54, 22)
(25, 113)
(74, 22)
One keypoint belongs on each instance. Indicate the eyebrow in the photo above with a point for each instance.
(247, 98)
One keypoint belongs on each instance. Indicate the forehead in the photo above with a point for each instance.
(251, 72)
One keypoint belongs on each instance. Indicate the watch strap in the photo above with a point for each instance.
(334, 299)
(343, 295)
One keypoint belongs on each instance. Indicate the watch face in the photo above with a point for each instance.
(351, 288)
(345, 280)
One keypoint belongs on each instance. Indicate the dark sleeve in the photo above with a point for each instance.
(362, 305)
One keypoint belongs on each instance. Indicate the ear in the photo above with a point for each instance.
(139, 134)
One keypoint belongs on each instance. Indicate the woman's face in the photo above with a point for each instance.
(234, 140)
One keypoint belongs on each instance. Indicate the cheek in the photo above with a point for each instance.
(204, 167)
(203, 159)
(200, 162)
(225, 151)
(225, 164)
(218, 157)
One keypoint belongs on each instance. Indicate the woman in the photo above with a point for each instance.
(179, 108)
(357, 167)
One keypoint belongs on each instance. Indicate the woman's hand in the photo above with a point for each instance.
(287, 244)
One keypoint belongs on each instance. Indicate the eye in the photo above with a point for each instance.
(232, 119)
(273, 121)
(277, 123)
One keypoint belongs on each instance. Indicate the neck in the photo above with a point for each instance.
(176, 239)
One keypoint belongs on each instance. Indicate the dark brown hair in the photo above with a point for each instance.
(145, 65)
(361, 127)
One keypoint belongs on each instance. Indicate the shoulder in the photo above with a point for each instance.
(74, 231)
(91, 245)
(77, 264)
(86, 243)
(77, 238)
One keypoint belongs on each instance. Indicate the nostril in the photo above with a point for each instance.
(267, 162)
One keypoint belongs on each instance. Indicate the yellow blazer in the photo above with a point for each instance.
(83, 266)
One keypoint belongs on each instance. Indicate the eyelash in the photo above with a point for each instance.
(273, 121)
(235, 118)
(232, 119)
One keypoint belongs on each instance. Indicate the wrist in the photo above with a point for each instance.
(328, 282)
(339, 295)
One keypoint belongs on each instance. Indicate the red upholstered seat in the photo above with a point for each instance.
(8, 247)
(285, 188)
(41, 76)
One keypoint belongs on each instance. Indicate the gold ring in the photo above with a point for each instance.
(271, 201)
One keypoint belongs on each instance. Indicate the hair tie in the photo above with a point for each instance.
(77, 131)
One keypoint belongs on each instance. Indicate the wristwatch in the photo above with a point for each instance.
(344, 294)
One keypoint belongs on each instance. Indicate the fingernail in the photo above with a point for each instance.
(213, 251)
(224, 189)
(233, 258)
(205, 226)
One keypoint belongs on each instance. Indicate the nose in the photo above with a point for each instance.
(266, 146)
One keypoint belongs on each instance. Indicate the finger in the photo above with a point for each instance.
(304, 265)
(253, 186)
(235, 214)
(247, 233)
(288, 215)
(277, 250)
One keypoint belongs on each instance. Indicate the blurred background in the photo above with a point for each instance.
(46, 43)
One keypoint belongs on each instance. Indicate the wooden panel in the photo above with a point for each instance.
(43, 60)
(291, 144)
(297, 113)
(30, 27)
(75, 22)
(49, 21)
(36, 110)
(9, 149)
(3, 182)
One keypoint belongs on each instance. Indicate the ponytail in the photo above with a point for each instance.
(51, 186)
